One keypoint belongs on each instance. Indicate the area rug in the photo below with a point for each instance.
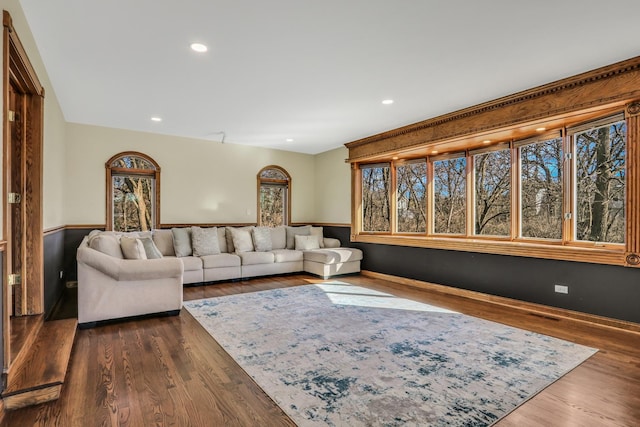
(341, 355)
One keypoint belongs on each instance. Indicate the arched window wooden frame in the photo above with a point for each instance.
(273, 181)
(112, 171)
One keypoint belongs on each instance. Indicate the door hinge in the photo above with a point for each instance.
(15, 279)
(14, 197)
(11, 115)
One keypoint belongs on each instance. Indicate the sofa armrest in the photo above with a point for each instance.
(130, 269)
(331, 243)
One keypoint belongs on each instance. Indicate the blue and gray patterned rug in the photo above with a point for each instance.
(342, 355)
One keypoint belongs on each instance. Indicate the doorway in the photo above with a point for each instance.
(22, 263)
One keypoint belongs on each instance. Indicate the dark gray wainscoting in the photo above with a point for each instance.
(60, 255)
(603, 290)
(53, 265)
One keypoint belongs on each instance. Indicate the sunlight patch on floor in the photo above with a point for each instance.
(341, 293)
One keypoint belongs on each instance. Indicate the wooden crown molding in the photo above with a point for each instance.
(612, 84)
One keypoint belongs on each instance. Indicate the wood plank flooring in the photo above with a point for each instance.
(168, 371)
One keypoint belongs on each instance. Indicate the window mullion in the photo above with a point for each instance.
(393, 198)
(515, 193)
(429, 229)
(471, 199)
(569, 189)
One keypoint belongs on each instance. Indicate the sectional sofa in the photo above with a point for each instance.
(130, 274)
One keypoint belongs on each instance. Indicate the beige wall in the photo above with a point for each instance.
(54, 125)
(333, 187)
(201, 181)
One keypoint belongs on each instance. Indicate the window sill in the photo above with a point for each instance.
(591, 254)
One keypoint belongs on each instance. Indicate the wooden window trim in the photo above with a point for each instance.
(112, 171)
(559, 105)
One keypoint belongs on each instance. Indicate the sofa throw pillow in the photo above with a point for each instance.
(107, 244)
(182, 241)
(306, 243)
(132, 248)
(163, 240)
(318, 231)
(205, 241)
(261, 239)
(150, 248)
(296, 231)
(242, 241)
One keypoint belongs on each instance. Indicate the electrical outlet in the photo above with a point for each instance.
(561, 289)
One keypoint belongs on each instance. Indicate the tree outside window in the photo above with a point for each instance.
(450, 195)
(411, 179)
(493, 193)
(132, 197)
(541, 189)
(376, 183)
(601, 183)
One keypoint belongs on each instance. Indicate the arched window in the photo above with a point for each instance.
(133, 192)
(274, 196)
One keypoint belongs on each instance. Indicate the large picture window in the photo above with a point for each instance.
(274, 194)
(132, 192)
(560, 192)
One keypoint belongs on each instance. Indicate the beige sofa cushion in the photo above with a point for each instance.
(242, 241)
(191, 263)
(132, 248)
(296, 231)
(108, 244)
(318, 231)
(333, 256)
(150, 248)
(261, 239)
(222, 240)
(164, 242)
(229, 236)
(249, 258)
(204, 241)
(287, 255)
(278, 237)
(182, 242)
(220, 260)
(306, 243)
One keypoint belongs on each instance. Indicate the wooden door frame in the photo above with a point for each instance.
(17, 68)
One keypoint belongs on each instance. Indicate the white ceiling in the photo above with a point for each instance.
(314, 71)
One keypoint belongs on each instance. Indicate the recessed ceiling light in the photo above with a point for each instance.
(434, 152)
(387, 101)
(156, 119)
(486, 141)
(289, 139)
(199, 47)
(394, 158)
(541, 129)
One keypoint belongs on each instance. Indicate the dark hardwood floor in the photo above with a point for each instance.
(168, 371)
